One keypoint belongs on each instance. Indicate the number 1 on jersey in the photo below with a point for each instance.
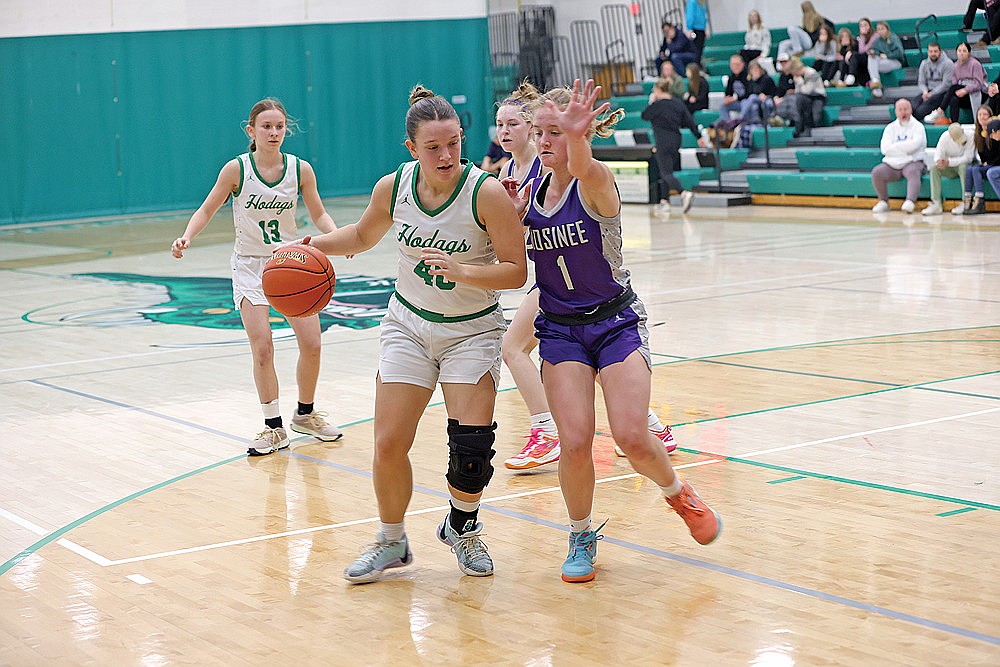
(561, 263)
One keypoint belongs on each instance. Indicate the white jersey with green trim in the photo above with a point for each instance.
(263, 212)
(453, 227)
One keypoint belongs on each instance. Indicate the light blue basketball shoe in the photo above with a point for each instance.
(377, 558)
(473, 558)
(579, 564)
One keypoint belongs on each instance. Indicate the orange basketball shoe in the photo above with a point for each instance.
(665, 436)
(540, 449)
(703, 522)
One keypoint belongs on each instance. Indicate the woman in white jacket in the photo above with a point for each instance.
(757, 42)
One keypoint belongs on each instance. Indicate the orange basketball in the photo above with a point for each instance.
(298, 281)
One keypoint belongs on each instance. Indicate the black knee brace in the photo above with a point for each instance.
(470, 449)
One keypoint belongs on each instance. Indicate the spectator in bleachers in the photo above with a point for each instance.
(954, 153)
(757, 42)
(801, 38)
(850, 70)
(968, 81)
(825, 52)
(759, 103)
(496, 157)
(858, 74)
(992, 35)
(993, 96)
(668, 72)
(848, 60)
(669, 116)
(903, 143)
(696, 20)
(933, 79)
(986, 137)
(789, 106)
(736, 87)
(885, 55)
(696, 96)
(676, 47)
(809, 85)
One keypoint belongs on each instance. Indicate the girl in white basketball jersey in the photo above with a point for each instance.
(460, 240)
(265, 185)
(514, 129)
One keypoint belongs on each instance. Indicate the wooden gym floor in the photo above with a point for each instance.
(833, 382)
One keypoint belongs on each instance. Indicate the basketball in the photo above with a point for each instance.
(298, 281)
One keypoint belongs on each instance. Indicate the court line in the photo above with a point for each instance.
(775, 583)
(63, 542)
(57, 534)
(706, 565)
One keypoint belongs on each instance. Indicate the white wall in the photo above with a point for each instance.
(21, 18)
(48, 17)
(730, 15)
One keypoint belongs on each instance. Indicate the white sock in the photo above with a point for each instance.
(654, 422)
(464, 506)
(393, 532)
(581, 525)
(271, 409)
(544, 421)
(673, 489)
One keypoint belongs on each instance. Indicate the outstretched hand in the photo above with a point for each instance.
(578, 116)
(519, 199)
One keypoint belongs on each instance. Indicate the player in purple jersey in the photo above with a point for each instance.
(591, 322)
(542, 447)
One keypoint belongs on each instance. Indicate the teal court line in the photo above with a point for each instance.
(958, 511)
(787, 479)
(58, 533)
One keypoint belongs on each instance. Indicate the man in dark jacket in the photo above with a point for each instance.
(676, 47)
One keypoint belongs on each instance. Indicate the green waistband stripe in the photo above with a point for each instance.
(438, 317)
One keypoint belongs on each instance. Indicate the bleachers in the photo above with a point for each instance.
(833, 167)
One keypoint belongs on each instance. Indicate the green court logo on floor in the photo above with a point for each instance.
(359, 302)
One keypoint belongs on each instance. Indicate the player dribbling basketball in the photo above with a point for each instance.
(265, 185)
(459, 241)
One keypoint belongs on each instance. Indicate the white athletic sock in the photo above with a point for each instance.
(654, 422)
(271, 409)
(464, 506)
(581, 525)
(393, 532)
(544, 421)
(673, 489)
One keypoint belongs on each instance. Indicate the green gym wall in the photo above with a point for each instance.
(119, 123)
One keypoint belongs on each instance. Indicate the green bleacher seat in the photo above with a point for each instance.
(688, 177)
(850, 96)
(949, 39)
(715, 83)
(632, 120)
(630, 103)
(603, 141)
(952, 22)
(732, 158)
(838, 159)
(845, 184)
(706, 117)
(720, 67)
(727, 39)
(688, 140)
(777, 137)
(992, 70)
(711, 53)
(863, 136)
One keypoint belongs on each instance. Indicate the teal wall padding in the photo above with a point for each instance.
(122, 123)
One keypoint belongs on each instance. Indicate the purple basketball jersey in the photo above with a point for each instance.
(577, 253)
